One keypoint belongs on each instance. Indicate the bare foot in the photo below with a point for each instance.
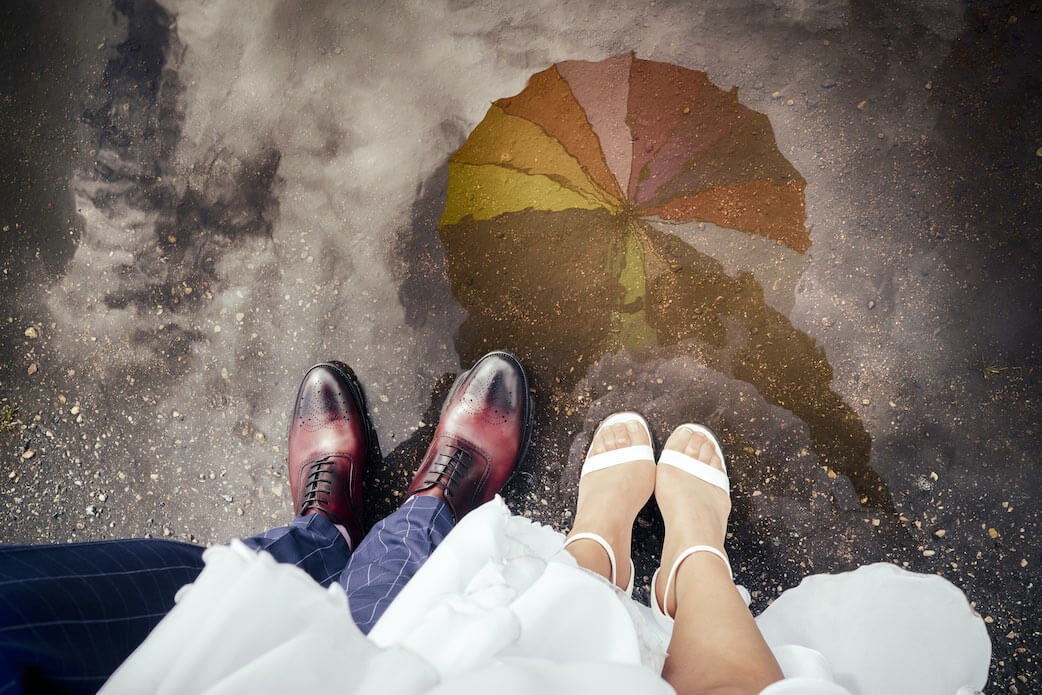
(694, 512)
(609, 501)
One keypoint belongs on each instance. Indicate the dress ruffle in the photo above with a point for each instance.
(500, 607)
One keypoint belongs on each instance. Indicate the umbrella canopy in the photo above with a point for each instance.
(616, 142)
(556, 230)
(633, 137)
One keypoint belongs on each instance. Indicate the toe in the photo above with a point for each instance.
(620, 435)
(679, 440)
(637, 434)
(701, 448)
(597, 445)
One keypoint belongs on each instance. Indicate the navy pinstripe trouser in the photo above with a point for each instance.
(70, 614)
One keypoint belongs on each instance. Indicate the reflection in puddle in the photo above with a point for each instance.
(556, 246)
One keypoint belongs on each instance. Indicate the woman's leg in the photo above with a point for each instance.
(716, 647)
(609, 501)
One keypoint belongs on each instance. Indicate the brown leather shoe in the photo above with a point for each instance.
(328, 442)
(484, 431)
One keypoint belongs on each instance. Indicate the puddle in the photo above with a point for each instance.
(553, 261)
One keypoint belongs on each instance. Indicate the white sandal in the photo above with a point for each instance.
(713, 476)
(607, 459)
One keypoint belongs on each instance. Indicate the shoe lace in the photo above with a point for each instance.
(318, 484)
(450, 467)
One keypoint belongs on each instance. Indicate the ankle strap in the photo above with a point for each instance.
(685, 555)
(599, 540)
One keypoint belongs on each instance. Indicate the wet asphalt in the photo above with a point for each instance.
(196, 205)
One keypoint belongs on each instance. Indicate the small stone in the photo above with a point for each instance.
(239, 317)
(1038, 152)
(775, 95)
(828, 84)
(384, 398)
(789, 102)
(929, 553)
(167, 531)
(875, 522)
(871, 304)
(217, 329)
(865, 401)
(74, 410)
(226, 498)
(28, 454)
(32, 369)
(91, 511)
(62, 399)
(861, 105)
(929, 85)
(989, 619)
(102, 497)
(826, 321)
(31, 333)
(940, 533)
(993, 533)
(238, 510)
(1023, 563)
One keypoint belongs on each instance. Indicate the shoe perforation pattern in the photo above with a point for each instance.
(316, 413)
(488, 398)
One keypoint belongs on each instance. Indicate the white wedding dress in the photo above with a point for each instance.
(501, 608)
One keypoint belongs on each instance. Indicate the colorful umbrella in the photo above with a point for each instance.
(629, 136)
(555, 235)
(627, 139)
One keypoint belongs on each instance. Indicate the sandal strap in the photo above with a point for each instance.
(599, 540)
(699, 469)
(662, 610)
(617, 457)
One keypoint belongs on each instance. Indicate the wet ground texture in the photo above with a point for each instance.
(196, 205)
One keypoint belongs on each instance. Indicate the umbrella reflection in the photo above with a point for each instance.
(537, 283)
(558, 244)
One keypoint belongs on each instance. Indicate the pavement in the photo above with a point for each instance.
(199, 201)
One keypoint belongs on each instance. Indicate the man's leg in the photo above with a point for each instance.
(390, 554)
(311, 542)
(482, 434)
(70, 614)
